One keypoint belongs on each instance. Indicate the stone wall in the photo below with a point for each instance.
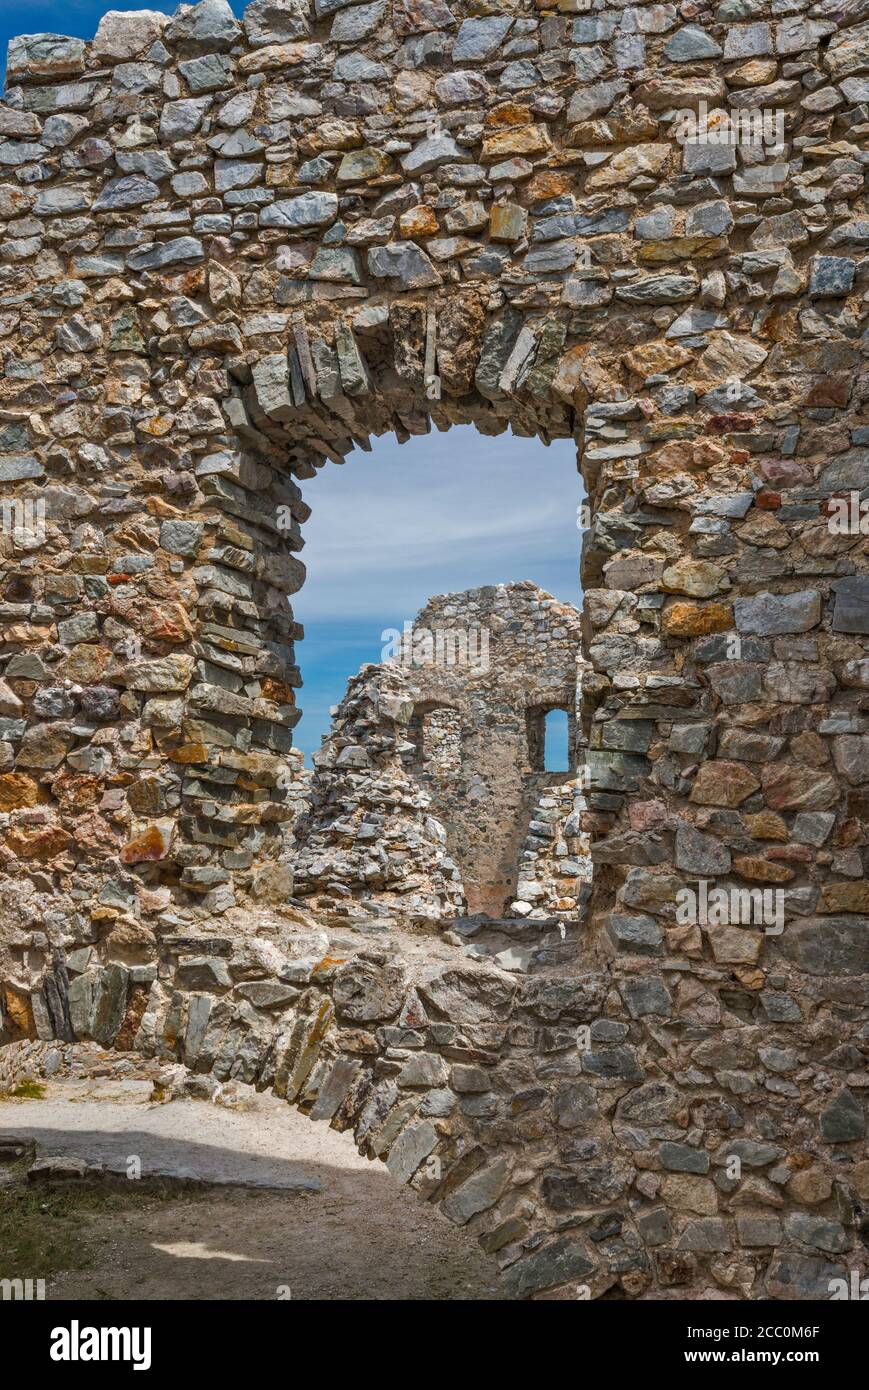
(233, 251)
(426, 799)
(554, 870)
(507, 654)
(370, 841)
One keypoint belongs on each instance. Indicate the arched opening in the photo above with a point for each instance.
(447, 569)
(551, 737)
(236, 249)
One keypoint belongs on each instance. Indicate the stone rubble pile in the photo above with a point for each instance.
(370, 832)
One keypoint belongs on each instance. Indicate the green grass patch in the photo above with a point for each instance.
(41, 1224)
(25, 1090)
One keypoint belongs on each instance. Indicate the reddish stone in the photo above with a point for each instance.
(152, 843)
(796, 854)
(793, 787)
(76, 790)
(645, 814)
(768, 501)
(43, 844)
(723, 783)
(848, 834)
(784, 473)
(137, 1003)
(420, 16)
(829, 391)
(729, 424)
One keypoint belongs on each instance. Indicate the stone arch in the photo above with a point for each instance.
(198, 314)
(536, 715)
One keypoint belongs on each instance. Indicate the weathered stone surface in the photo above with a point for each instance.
(557, 1263)
(723, 783)
(365, 991)
(842, 1121)
(479, 39)
(791, 787)
(298, 214)
(700, 854)
(404, 262)
(769, 615)
(835, 945)
(236, 246)
(122, 35)
(35, 56)
(414, 1144)
(479, 1193)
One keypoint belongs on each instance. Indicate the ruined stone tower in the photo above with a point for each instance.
(426, 789)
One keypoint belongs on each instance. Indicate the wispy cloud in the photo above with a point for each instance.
(439, 514)
(443, 512)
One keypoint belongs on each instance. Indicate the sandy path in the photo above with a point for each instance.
(294, 1207)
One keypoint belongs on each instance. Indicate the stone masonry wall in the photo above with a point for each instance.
(231, 251)
(370, 841)
(425, 800)
(523, 657)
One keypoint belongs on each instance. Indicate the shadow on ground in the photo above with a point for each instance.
(291, 1211)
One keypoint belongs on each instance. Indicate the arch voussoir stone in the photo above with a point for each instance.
(233, 252)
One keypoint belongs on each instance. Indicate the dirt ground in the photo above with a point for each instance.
(290, 1211)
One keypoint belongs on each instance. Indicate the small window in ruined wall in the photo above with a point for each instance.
(541, 723)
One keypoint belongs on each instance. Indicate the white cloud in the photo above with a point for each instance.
(443, 512)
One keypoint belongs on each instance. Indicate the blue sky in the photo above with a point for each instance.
(76, 18)
(442, 513)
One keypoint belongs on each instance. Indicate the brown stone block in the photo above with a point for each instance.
(150, 844)
(509, 113)
(417, 222)
(651, 358)
(723, 783)
(766, 825)
(529, 139)
(189, 753)
(734, 945)
(17, 790)
(43, 844)
(760, 870)
(19, 1012)
(697, 620)
(844, 897)
(547, 184)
